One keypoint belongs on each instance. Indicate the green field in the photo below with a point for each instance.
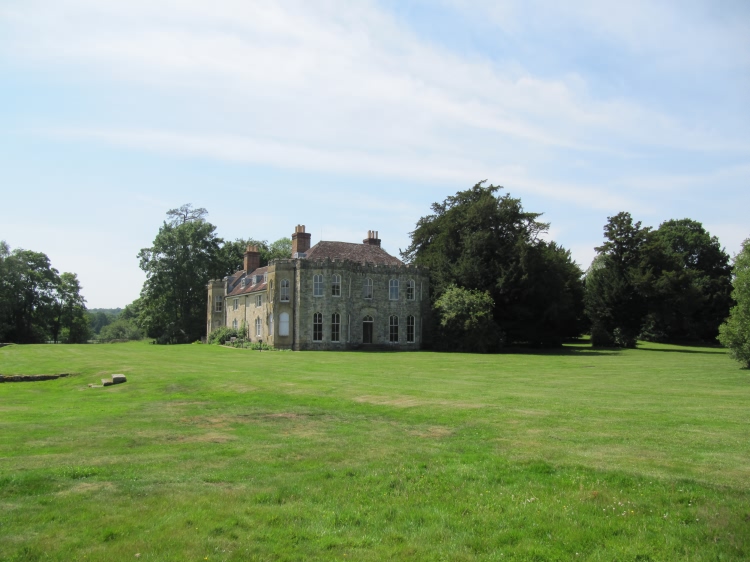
(210, 453)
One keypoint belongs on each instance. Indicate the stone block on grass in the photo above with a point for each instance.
(118, 379)
(106, 382)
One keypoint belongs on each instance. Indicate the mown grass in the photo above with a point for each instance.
(225, 454)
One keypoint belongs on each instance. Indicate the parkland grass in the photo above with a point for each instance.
(211, 453)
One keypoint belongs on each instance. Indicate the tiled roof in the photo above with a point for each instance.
(234, 283)
(361, 253)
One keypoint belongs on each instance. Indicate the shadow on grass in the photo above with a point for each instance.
(563, 351)
(710, 351)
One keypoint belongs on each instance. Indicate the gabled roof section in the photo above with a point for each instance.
(360, 253)
(234, 282)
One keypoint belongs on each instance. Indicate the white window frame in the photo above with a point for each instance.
(393, 289)
(258, 301)
(236, 304)
(367, 290)
(318, 285)
(234, 324)
(284, 290)
(218, 303)
(336, 286)
(258, 327)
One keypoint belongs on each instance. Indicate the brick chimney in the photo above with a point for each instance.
(252, 258)
(372, 238)
(300, 240)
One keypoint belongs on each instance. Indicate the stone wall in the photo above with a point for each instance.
(352, 307)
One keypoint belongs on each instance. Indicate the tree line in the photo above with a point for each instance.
(496, 280)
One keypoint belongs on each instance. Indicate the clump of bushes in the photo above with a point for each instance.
(222, 335)
(120, 330)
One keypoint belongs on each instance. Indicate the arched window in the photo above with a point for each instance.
(317, 327)
(284, 324)
(335, 327)
(285, 290)
(367, 289)
(270, 325)
(367, 329)
(409, 329)
(410, 290)
(234, 324)
(317, 285)
(393, 289)
(258, 328)
(336, 286)
(393, 332)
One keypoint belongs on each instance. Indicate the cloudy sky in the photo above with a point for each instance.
(349, 115)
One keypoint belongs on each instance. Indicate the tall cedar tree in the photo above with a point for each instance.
(480, 240)
(614, 301)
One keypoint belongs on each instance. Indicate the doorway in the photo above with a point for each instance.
(367, 329)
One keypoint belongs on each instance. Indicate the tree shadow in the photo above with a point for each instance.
(563, 351)
(709, 350)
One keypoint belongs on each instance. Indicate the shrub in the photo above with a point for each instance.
(123, 330)
(221, 335)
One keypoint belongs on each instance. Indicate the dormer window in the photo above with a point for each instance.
(243, 282)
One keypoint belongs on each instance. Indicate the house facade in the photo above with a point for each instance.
(331, 296)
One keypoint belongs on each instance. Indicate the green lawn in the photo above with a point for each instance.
(210, 453)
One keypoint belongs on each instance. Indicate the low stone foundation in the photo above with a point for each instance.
(31, 378)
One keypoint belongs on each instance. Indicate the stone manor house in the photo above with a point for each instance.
(332, 296)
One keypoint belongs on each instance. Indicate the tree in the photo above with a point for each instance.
(27, 292)
(696, 284)
(232, 253)
(479, 240)
(735, 332)
(182, 259)
(120, 329)
(69, 311)
(465, 322)
(614, 302)
(36, 302)
(669, 284)
(186, 213)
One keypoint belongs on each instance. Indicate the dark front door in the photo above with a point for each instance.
(366, 332)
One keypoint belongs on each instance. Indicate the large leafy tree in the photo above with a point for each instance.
(185, 254)
(69, 319)
(669, 284)
(36, 302)
(735, 332)
(697, 283)
(481, 240)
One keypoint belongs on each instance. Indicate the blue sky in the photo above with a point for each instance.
(349, 116)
